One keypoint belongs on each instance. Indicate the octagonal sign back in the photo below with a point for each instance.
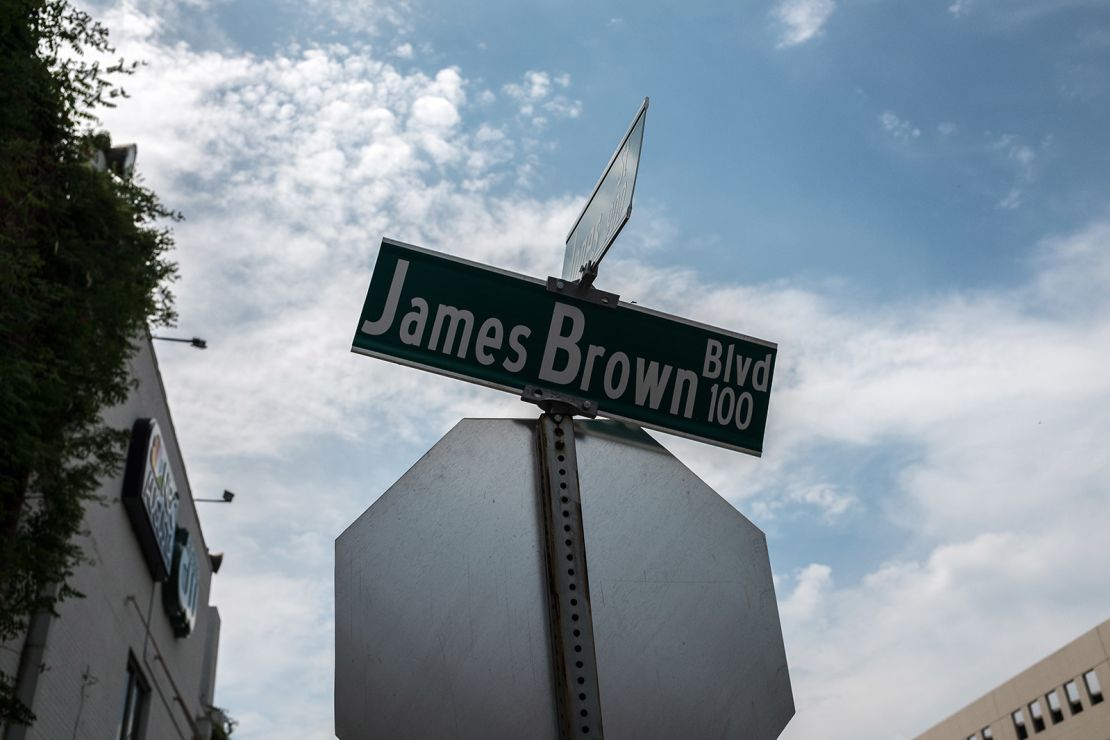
(442, 607)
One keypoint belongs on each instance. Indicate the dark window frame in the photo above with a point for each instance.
(136, 703)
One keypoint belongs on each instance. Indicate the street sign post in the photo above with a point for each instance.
(442, 601)
(464, 604)
(623, 361)
(609, 206)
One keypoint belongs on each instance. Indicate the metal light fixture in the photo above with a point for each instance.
(119, 160)
(195, 341)
(225, 499)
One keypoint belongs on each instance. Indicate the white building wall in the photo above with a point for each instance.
(80, 689)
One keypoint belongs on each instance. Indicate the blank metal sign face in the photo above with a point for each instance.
(441, 606)
(610, 204)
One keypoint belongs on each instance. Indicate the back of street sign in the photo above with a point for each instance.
(609, 206)
(441, 598)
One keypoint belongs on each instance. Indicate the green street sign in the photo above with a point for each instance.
(508, 331)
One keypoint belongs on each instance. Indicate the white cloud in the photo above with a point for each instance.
(1004, 13)
(801, 20)
(535, 94)
(830, 502)
(1021, 159)
(1011, 200)
(898, 128)
(403, 51)
(533, 88)
(812, 585)
(366, 17)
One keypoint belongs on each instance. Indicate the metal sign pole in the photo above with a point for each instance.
(577, 696)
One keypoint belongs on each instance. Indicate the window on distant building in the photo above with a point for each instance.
(1054, 709)
(973, 736)
(1036, 715)
(986, 733)
(135, 700)
(1094, 690)
(1019, 724)
(1074, 702)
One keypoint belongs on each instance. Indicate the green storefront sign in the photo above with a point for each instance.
(508, 331)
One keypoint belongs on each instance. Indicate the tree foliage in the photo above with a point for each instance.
(83, 271)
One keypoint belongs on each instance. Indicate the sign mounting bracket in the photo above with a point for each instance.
(583, 289)
(559, 403)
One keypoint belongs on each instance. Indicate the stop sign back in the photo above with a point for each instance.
(442, 600)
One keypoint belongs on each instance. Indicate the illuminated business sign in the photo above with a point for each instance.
(179, 593)
(150, 496)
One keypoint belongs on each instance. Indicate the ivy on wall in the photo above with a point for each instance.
(84, 270)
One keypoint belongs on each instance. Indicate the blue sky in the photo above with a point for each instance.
(912, 199)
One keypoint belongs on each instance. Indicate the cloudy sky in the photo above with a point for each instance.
(912, 199)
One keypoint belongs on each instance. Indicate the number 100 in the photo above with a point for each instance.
(725, 407)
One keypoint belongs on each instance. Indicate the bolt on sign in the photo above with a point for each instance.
(508, 331)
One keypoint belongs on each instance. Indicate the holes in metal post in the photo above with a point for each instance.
(580, 679)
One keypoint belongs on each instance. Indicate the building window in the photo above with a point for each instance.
(1054, 709)
(986, 733)
(1036, 715)
(135, 700)
(1072, 692)
(1019, 724)
(973, 736)
(1094, 690)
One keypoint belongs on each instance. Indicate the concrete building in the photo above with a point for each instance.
(136, 657)
(1059, 698)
